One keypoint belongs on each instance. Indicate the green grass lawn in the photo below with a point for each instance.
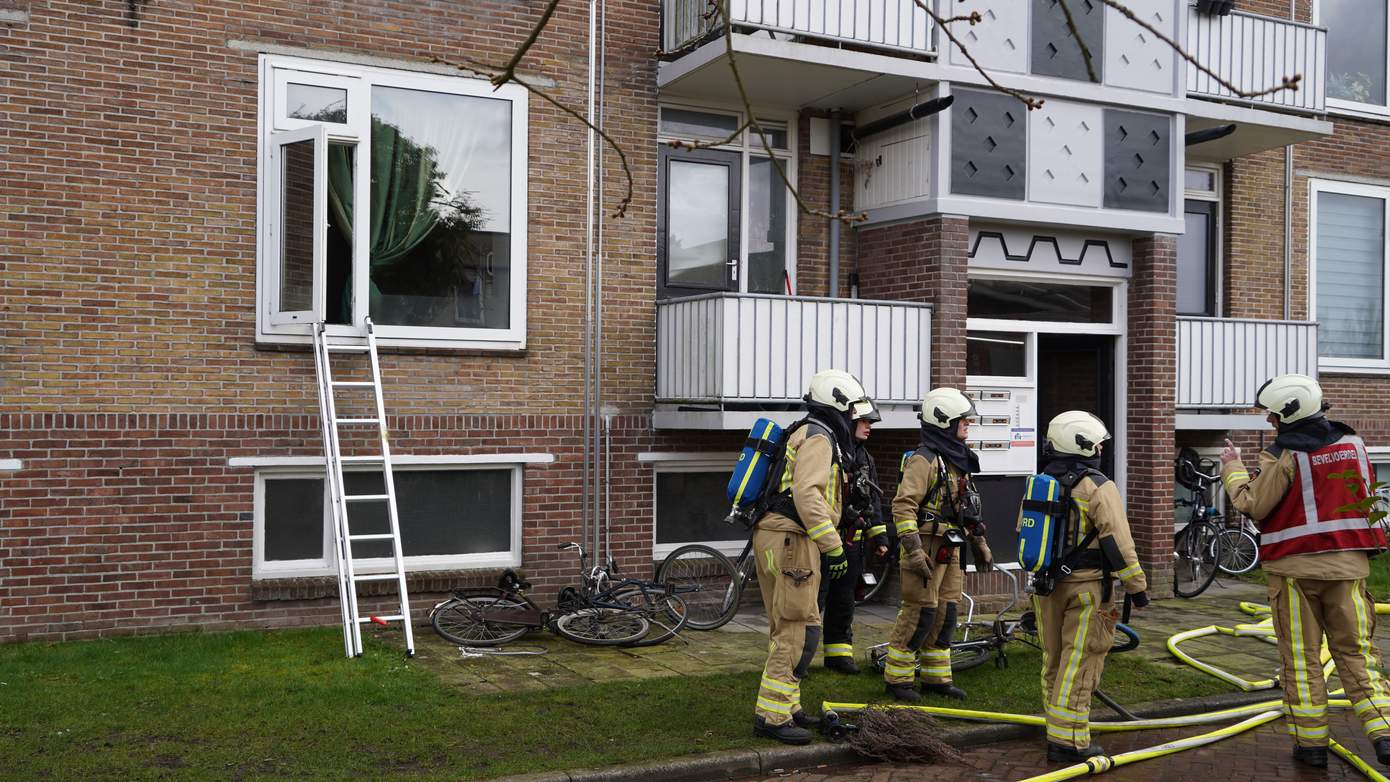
(282, 705)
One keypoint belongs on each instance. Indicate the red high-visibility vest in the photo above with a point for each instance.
(1307, 519)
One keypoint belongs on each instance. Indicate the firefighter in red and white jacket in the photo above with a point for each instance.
(1315, 549)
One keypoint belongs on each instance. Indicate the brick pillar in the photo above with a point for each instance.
(1152, 362)
(923, 260)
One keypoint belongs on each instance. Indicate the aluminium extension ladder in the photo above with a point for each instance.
(348, 577)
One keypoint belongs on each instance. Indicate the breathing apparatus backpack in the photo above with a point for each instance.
(1046, 530)
(752, 486)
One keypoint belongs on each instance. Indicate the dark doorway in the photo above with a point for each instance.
(1077, 372)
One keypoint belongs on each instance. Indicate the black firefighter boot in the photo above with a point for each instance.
(1061, 753)
(902, 692)
(1383, 750)
(787, 732)
(946, 689)
(1313, 756)
(842, 665)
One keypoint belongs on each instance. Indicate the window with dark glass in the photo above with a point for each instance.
(1039, 301)
(1197, 261)
(691, 506)
(996, 354)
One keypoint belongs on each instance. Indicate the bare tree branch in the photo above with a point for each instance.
(1287, 82)
(492, 73)
(696, 144)
(1080, 42)
(721, 7)
(509, 70)
(974, 19)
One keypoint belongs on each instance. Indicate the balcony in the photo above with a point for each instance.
(724, 359)
(1256, 52)
(878, 24)
(1222, 361)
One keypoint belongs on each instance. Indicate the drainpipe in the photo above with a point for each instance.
(588, 530)
(1288, 232)
(834, 203)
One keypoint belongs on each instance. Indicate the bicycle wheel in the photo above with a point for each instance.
(708, 582)
(602, 626)
(880, 568)
(972, 646)
(461, 621)
(1239, 551)
(666, 613)
(1196, 551)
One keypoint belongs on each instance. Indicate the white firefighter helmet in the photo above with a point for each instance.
(866, 410)
(1076, 432)
(835, 388)
(942, 407)
(1290, 397)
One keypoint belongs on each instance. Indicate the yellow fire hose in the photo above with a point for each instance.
(1103, 763)
(1254, 715)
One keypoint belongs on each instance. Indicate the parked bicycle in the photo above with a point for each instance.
(1198, 547)
(712, 584)
(604, 610)
(979, 640)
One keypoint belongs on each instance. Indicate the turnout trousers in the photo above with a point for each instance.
(789, 579)
(1077, 629)
(837, 603)
(926, 621)
(1304, 610)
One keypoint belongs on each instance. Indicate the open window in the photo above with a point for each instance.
(297, 227)
(395, 195)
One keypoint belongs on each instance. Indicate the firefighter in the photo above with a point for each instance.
(788, 540)
(1314, 548)
(861, 528)
(1076, 619)
(936, 511)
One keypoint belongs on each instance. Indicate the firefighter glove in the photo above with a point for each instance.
(1139, 599)
(917, 560)
(838, 563)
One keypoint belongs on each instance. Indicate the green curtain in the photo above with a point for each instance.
(402, 190)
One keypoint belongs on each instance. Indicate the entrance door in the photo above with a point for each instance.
(1077, 372)
(698, 219)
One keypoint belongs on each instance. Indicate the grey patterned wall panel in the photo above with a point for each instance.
(1055, 52)
(1135, 57)
(999, 42)
(1136, 160)
(988, 144)
(1066, 143)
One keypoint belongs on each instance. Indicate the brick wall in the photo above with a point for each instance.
(1151, 398)
(923, 260)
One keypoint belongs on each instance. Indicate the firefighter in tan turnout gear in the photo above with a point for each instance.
(936, 511)
(788, 542)
(1314, 549)
(1076, 619)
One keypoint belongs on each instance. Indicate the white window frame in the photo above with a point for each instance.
(1370, 366)
(1030, 362)
(1355, 108)
(750, 146)
(1379, 455)
(275, 73)
(327, 566)
(694, 462)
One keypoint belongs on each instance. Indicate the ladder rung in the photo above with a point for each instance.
(357, 421)
(373, 576)
(353, 384)
(347, 348)
(378, 459)
(373, 536)
(366, 497)
(391, 618)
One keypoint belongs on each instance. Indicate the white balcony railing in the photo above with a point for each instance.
(730, 347)
(1222, 361)
(1255, 53)
(889, 24)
